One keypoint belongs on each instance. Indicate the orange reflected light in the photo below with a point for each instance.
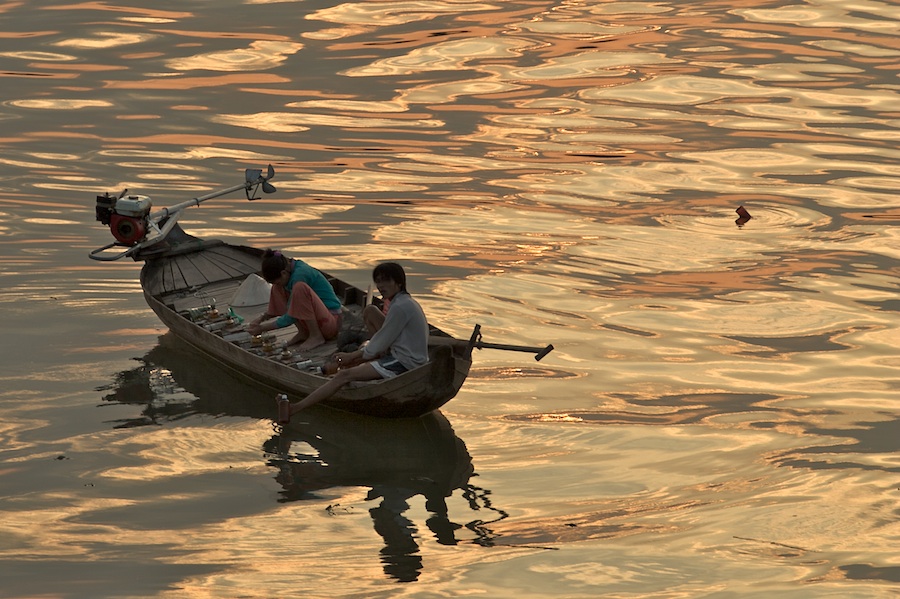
(198, 82)
(147, 12)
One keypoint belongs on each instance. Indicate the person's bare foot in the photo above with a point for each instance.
(312, 343)
(298, 338)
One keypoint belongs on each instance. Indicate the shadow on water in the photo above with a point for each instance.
(396, 459)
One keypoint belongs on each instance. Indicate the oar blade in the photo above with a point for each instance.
(543, 353)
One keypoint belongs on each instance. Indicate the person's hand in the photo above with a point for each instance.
(348, 359)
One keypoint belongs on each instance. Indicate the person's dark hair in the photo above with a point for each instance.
(392, 271)
(272, 265)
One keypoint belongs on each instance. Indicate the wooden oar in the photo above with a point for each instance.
(539, 351)
(476, 342)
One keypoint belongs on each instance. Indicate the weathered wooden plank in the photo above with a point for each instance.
(167, 284)
(212, 269)
(178, 277)
(193, 276)
(172, 278)
(230, 258)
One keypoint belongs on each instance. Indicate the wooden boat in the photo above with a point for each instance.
(191, 284)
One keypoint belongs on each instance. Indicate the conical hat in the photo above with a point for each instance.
(253, 292)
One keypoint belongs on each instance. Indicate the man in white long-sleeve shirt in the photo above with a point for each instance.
(400, 344)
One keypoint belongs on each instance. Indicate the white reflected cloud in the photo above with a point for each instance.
(60, 104)
(383, 14)
(575, 27)
(450, 91)
(792, 72)
(287, 122)
(149, 20)
(620, 8)
(350, 181)
(41, 56)
(260, 55)
(680, 90)
(50, 221)
(296, 214)
(855, 48)
(828, 15)
(485, 55)
(192, 153)
(450, 55)
(105, 40)
(588, 64)
(353, 105)
(25, 164)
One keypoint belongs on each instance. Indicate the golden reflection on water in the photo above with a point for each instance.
(720, 411)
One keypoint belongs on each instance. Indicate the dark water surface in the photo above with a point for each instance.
(720, 416)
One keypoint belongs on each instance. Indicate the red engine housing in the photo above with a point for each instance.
(127, 229)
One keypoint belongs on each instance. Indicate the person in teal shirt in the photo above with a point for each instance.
(300, 296)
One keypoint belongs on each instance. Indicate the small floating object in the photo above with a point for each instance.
(284, 409)
(743, 216)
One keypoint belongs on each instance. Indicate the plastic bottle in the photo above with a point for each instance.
(284, 409)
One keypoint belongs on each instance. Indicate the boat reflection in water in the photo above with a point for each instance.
(396, 459)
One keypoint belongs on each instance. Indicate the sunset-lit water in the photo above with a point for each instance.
(720, 415)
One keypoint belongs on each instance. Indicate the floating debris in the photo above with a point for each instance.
(743, 216)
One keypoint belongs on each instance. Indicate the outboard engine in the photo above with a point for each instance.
(135, 227)
(125, 215)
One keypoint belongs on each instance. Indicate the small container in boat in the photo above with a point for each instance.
(284, 409)
(215, 326)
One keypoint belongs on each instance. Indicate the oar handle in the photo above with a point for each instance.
(475, 342)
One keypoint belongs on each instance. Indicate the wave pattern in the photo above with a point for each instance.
(721, 407)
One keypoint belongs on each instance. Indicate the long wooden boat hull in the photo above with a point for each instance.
(188, 272)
